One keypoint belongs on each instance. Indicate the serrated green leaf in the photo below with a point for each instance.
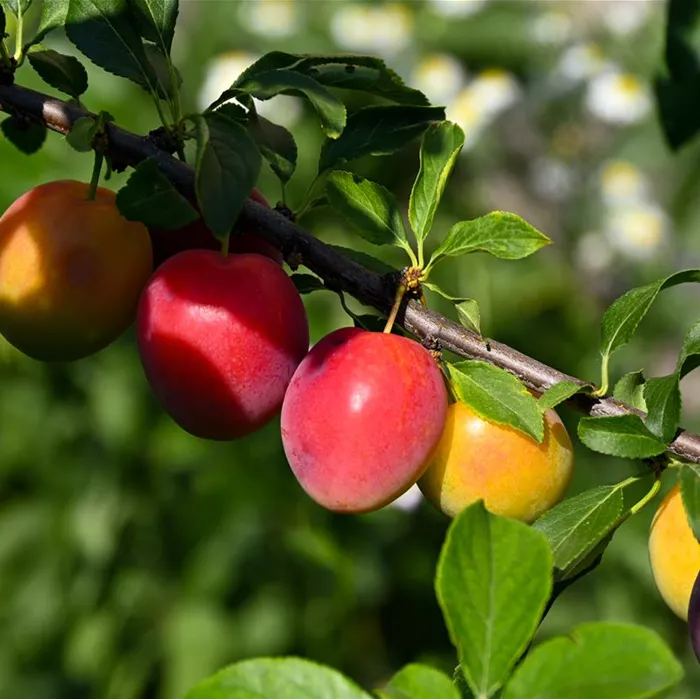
(560, 392)
(330, 109)
(493, 581)
(306, 283)
(65, 73)
(689, 357)
(156, 21)
(227, 168)
(630, 389)
(497, 396)
(276, 144)
(499, 233)
(53, 16)
(419, 682)
(28, 138)
(365, 260)
(103, 31)
(150, 197)
(625, 436)
(377, 130)
(82, 134)
(277, 678)
(622, 318)
(663, 399)
(690, 493)
(603, 660)
(467, 309)
(372, 210)
(577, 525)
(440, 147)
(163, 71)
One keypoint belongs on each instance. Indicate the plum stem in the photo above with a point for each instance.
(400, 291)
(95, 179)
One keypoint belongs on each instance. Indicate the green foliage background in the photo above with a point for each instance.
(135, 560)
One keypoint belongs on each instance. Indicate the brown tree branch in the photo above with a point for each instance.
(333, 267)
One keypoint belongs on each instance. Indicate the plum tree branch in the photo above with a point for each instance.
(337, 271)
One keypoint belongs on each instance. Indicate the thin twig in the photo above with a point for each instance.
(329, 264)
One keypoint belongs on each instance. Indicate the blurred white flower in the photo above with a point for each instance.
(223, 71)
(618, 98)
(495, 90)
(384, 29)
(593, 252)
(637, 231)
(409, 501)
(620, 183)
(477, 105)
(552, 178)
(551, 28)
(469, 116)
(457, 8)
(439, 76)
(581, 62)
(624, 17)
(271, 18)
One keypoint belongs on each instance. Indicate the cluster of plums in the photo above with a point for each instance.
(224, 342)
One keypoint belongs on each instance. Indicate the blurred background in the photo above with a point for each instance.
(135, 559)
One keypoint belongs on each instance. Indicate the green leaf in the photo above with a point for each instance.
(622, 318)
(65, 73)
(689, 357)
(560, 392)
(690, 493)
(82, 134)
(330, 109)
(501, 234)
(493, 581)
(156, 21)
(102, 30)
(53, 16)
(381, 130)
(277, 678)
(28, 138)
(467, 309)
(150, 197)
(228, 165)
(577, 525)
(160, 65)
(372, 210)
(625, 436)
(440, 147)
(603, 660)
(497, 396)
(677, 90)
(17, 7)
(306, 283)
(630, 389)
(663, 398)
(419, 682)
(365, 74)
(276, 144)
(367, 261)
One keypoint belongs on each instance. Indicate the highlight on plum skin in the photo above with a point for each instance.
(361, 418)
